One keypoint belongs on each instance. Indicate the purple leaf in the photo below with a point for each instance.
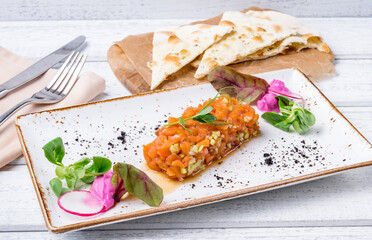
(126, 177)
(118, 184)
(246, 87)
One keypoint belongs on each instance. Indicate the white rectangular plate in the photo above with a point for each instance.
(273, 159)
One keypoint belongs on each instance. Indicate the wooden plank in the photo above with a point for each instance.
(361, 118)
(12, 10)
(326, 233)
(351, 86)
(349, 38)
(340, 200)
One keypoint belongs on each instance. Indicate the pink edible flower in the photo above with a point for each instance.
(268, 103)
(278, 87)
(103, 190)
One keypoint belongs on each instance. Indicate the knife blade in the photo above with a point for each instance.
(40, 67)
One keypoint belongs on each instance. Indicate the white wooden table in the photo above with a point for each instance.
(337, 207)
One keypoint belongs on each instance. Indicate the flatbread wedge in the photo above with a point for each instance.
(305, 37)
(251, 34)
(175, 47)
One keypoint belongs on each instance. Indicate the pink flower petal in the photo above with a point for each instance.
(103, 189)
(278, 87)
(268, 103)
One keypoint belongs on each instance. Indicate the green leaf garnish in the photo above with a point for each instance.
(207, 118)
(99, 167)
(56, 186)
(291, 114)
(274, 118)
(101, 164)
(88, 179)
(309, 118)
(204, 111)
(82, 162)
(128, 178)
(78, 171)
(203, 116)
(60, 172)
(71, 179)
(55, 151)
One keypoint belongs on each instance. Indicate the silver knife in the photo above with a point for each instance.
(40, 67)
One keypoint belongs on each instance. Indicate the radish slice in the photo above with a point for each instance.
(81, 203)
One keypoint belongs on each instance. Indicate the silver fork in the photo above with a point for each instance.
(57, 88)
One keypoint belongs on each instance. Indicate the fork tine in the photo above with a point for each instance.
(66, 80)
(63, 74)
(55, 78)
(75, 75)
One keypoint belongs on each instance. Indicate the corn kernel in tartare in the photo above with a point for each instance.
(174, 148)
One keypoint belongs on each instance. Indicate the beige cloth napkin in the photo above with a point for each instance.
(86, 88)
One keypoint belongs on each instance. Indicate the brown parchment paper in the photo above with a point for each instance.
(128, 59)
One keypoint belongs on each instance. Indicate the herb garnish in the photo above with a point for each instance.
(250, 89)
(243, 87)
(203, 116)
(291, 115)
(127, 178)
(55, 151)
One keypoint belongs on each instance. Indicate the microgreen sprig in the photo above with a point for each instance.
(291, 114)
(54, 151)
(204, 115)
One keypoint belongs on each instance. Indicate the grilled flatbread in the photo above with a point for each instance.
(175, 47)
(251, 35)
(305, 37)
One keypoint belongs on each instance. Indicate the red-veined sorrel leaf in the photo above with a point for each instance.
(118, 184)
(246, 87)
(137, 183)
